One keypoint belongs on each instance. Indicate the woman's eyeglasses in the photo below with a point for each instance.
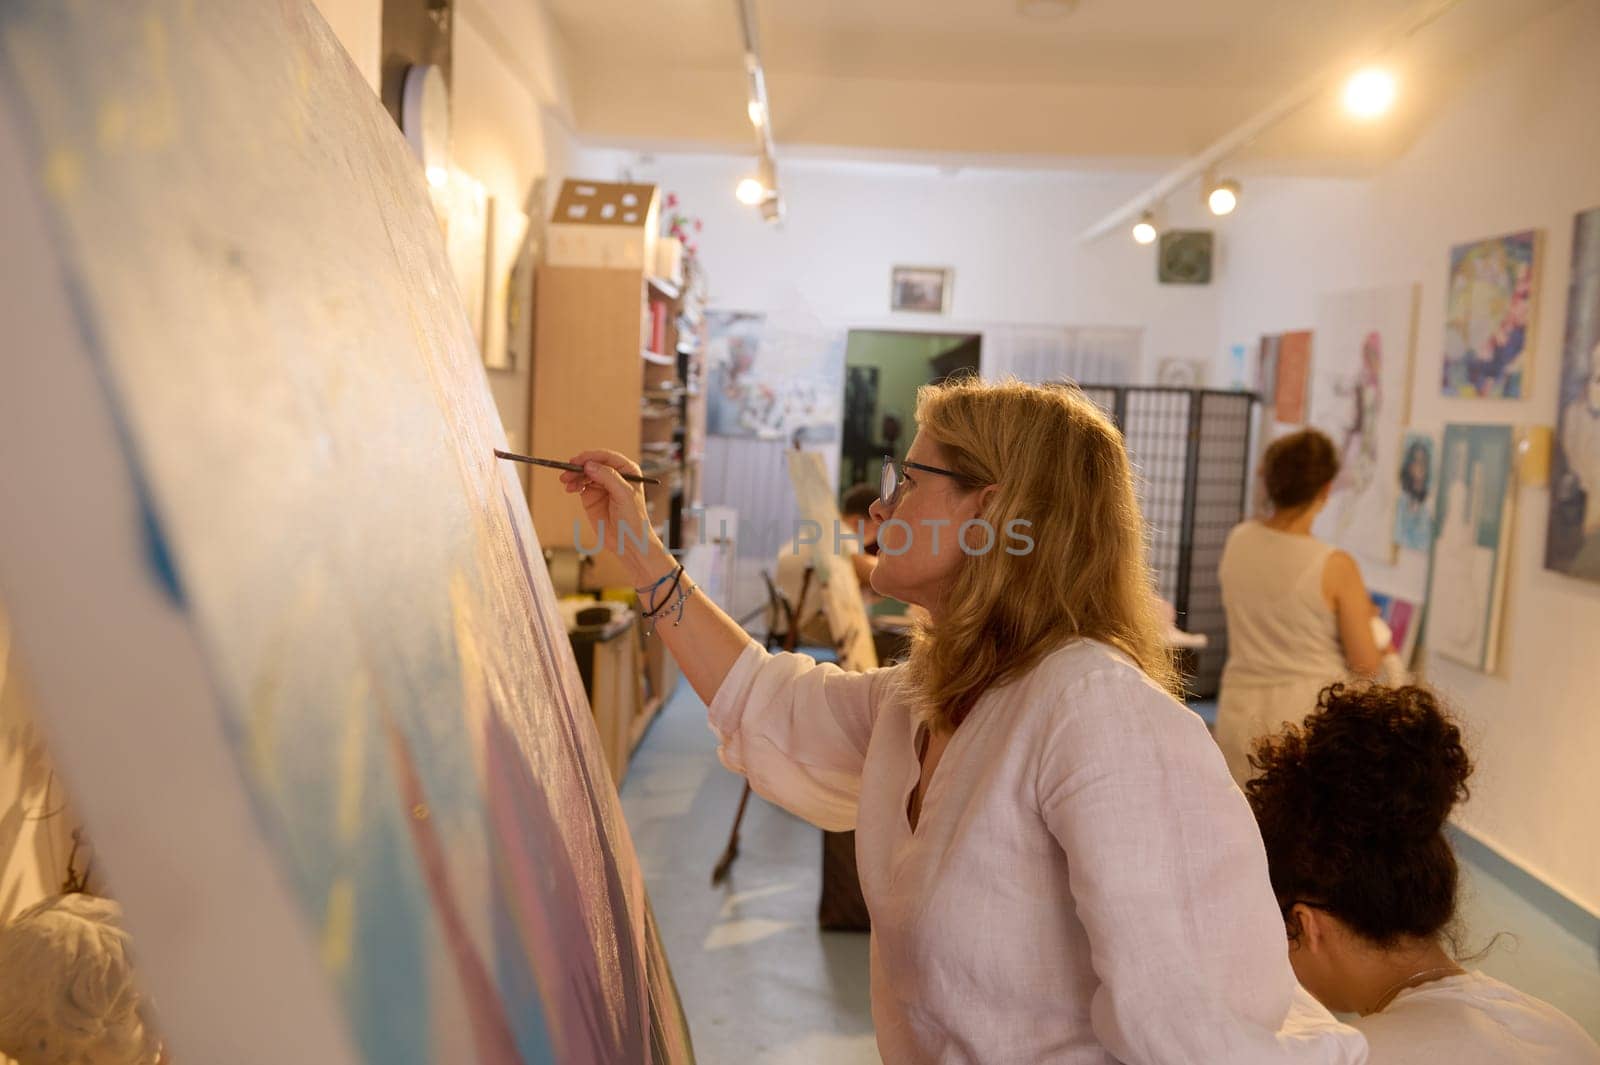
(892, 482)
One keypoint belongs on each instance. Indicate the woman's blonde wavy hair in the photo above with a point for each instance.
(1060, 465)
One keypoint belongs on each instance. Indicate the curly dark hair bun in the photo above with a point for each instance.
(1298, 466)
(1352, 804)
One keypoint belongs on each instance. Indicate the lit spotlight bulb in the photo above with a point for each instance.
(438, 176)
(1223, 197)
(1369, 93)
(750, 191)
(1144, 230)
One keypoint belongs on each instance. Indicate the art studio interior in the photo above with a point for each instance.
(619, 532)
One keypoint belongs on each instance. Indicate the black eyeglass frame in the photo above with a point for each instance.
(893, 479)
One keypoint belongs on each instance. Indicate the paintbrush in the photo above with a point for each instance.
(573, 466)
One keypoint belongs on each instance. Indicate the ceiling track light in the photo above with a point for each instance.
(1222, 196)
(761, 188)
(1144, 230)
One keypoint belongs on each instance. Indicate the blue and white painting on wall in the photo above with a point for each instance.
(1466, 582)
(1413, 508)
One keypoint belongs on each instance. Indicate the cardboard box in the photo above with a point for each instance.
(604, 224)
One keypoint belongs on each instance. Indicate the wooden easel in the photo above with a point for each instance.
(792, 612)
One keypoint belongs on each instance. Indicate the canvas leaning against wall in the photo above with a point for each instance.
(1292, 376)
(289, 628)
(1466, 582)
(1572, 544)
(1489, 308)
(1360, 397)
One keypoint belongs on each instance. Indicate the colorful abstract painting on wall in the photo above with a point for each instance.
(1572, 544)
(1466, 582)
(345, 581)
(1360, 395)
(1489, 307)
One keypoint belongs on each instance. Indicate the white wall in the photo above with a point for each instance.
(359, 26)
(511, 125)
(1518, 147)
(1011, 238)
(510, 129)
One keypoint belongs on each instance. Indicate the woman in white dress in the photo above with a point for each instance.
(1352, 804)
(1057, 865)
(1299, 616)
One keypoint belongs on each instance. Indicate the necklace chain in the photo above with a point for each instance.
(1438, 973)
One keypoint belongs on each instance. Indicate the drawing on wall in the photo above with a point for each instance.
(1413, 506)
(467, 228)
(1403, 616)
(774, 378)
(1489, 303)
(1572, 544)
(1466, 582)
(363, 699)
(506, 332)
(1292, 374)
(1360, 397)
(1181, 373)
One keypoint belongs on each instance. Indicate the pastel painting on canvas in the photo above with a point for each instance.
(263, 317)
(1572, 544)
(1489, 305)
(1359, 397)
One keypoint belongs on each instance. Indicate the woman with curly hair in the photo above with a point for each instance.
(1352, 804)
(1057, 865)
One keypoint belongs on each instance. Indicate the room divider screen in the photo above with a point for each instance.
(1190, 449)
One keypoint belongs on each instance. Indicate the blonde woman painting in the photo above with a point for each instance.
(1057, 864)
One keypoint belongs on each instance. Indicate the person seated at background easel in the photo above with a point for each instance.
(795, 558)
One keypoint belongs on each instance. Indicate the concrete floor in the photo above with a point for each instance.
(760, 983)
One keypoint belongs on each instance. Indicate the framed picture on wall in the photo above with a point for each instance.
(921, 288)
(1489, 315)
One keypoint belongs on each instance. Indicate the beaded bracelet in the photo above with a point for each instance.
(653, 608)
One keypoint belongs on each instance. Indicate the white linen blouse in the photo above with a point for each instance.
(1085, 885)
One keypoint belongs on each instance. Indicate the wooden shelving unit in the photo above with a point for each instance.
(616, 364)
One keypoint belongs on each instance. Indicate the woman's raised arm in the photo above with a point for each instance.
(706, 641)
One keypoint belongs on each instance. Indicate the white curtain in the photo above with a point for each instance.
(1089, 355)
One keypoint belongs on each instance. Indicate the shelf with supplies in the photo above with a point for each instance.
(618, 336)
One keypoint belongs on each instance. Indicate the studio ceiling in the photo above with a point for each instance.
(1112, 82)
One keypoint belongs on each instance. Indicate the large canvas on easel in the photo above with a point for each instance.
(835, 576)
(1360, 397)
(288, 626)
